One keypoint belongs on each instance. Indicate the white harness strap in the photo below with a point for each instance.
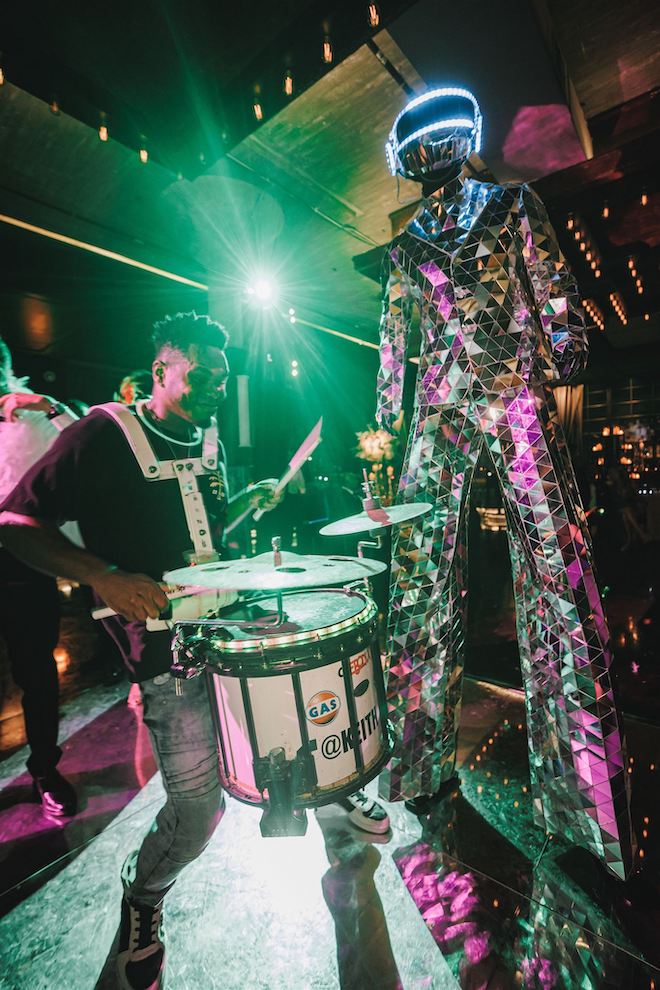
(186, 470)
(135, 436)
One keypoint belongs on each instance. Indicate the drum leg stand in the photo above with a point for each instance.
(280, 817)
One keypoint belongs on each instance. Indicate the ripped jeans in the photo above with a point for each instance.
(185, 749)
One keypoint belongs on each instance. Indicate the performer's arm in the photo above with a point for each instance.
(42, 546)
(13, 403)
(260, 495)
(555, 289)
(395, 323)
(48, 495)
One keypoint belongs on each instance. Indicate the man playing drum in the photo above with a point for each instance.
(138, 518)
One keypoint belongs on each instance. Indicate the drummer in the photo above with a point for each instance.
(135, 527)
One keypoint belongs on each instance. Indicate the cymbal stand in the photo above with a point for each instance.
(369, 503)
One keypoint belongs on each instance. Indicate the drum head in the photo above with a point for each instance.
(305, 612)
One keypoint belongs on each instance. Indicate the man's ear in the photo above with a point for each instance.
(158, 369)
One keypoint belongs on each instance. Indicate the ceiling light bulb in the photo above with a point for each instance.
(144, 155)
(258, 111)
(103, 132)
(327, 50)
(606, 210)
(373, 15)
(288, 83)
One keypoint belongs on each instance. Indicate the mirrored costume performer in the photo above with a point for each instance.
(500, 319)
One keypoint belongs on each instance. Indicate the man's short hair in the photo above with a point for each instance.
(183, 329)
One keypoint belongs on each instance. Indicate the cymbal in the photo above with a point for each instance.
(260, 573)
(378, 518)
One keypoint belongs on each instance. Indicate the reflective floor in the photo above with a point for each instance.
(467, 896)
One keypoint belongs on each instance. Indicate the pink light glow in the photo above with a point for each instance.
(541, 140)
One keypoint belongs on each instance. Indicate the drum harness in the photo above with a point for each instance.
(186, 471)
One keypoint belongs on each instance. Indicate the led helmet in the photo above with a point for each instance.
(434, 134)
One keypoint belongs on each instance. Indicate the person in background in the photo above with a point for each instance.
(133, 386)
(29, 601)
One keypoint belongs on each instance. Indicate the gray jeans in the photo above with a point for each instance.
(184, 745)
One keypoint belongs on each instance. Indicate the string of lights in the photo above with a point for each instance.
(594, 312)
(619, 307)
(586, 244)
(591, 255)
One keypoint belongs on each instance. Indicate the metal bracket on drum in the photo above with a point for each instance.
(278, 774)
(188, 660)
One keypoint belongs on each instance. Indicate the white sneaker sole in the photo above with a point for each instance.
(376, 827)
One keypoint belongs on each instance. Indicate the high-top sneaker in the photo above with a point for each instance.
(141, 953)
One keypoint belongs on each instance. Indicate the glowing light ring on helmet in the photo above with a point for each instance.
(392, 146)
(391, 161)
(440, 125)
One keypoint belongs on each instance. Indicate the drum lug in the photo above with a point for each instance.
(188, 657)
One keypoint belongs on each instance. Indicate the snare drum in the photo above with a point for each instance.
(311, 686)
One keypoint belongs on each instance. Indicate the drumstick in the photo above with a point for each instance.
(307, 447)
(104, 611)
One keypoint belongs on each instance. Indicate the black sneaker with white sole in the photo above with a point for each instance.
(366, 813)
(141, 953)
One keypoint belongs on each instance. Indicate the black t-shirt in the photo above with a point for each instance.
(91, 475)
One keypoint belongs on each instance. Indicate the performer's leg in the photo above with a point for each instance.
(536, 639)
(577, 759)
(183, 742)
(29, 624)
(184, 745)
(427, 605)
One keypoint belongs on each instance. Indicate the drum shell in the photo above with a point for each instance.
(298, 696)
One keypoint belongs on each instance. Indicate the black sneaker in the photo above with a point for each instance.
(424, 803)
(141, 952)
(366, 813)
(57, 796)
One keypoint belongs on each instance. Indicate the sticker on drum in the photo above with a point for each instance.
(328, 719)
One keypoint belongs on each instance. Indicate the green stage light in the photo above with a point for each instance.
(263, 291)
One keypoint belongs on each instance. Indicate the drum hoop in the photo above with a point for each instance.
(262, 645)
(307, 656)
